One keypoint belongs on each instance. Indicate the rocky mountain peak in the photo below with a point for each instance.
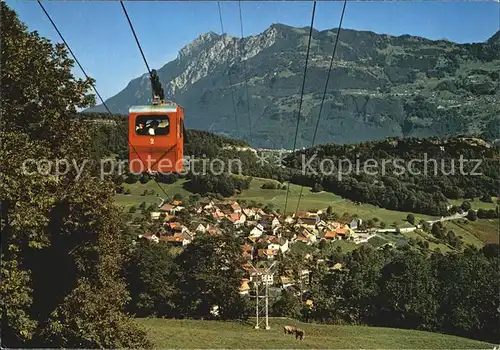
(283, 31)
(375, 91)
(199, 44)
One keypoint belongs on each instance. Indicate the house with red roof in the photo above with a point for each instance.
(236, 207)
(236, 219)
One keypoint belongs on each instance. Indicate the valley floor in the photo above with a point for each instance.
(191, 334)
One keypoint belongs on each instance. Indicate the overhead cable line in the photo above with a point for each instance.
(325, 90)
(93, 86)
(245, 77)
(135, 37)
(229, 75)
(156, 88)
(301, 96)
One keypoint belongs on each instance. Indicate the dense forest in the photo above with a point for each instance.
(161, 282)
(435, 174)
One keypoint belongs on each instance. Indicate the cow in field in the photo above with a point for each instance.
(299, 334)
(289, 329)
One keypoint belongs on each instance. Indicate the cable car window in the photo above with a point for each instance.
(150, 125)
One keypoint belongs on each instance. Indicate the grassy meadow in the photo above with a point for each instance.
(194, 334)
(476, 203)
(481, 230)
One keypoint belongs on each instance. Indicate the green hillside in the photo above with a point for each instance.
(486, 230)
(190, 334)
(309, 201)
(476, 233)
(410, 174)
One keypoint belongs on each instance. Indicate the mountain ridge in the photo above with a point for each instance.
(495, 38)
(381, 85)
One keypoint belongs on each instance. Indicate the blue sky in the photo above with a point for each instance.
(99, 35)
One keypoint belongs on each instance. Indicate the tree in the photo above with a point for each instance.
(329, 210)
(407, 288)
(425, 225)
(144, 179)
(323, 244)
(471, 215)
(210, 273)
(465, 206)
(151, 276)
(491, 250)
(269, 185)
(437, 230)
(268, 208)
(120, 189)
(288, 305)
(360, 285)
(132, 178)
(411, 219)
(486, 214)
(225, 186)
(317, 187)
(62, 245)
(325, 288)
(194, 198)
(486, 198)
(468, 295)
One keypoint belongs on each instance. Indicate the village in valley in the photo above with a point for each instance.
(268, 235)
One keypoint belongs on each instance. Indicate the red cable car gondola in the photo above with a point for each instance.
(156, 134)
